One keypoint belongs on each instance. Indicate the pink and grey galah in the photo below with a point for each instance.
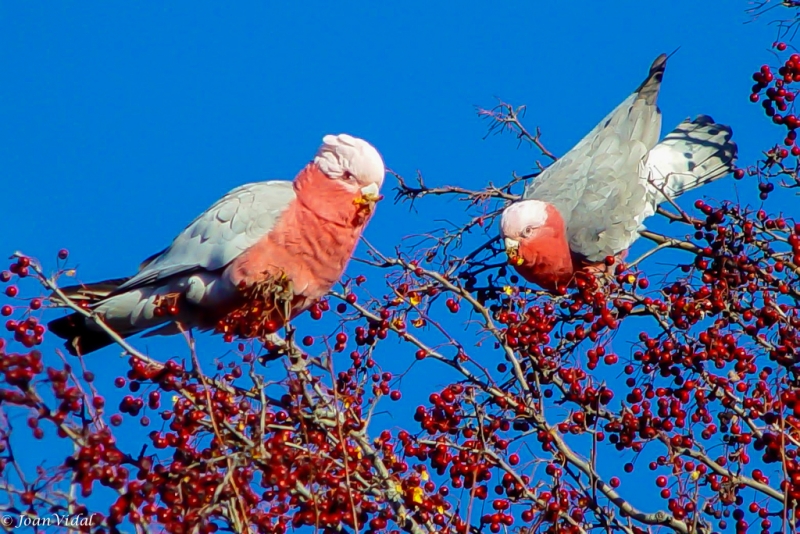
(590, 204)
(297, 235)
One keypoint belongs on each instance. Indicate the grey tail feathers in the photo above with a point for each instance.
(74, 328)
(80, 339)
(648, 90)
(695, 153)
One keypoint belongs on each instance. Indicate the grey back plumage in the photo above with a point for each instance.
(602, 187)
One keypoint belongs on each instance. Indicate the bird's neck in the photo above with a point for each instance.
(328, 199)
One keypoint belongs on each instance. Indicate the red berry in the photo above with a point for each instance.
(527, 516)
(12, 291)
(270, 327)
(63, 253)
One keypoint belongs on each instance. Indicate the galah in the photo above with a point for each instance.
(590, 204)
(297, 234)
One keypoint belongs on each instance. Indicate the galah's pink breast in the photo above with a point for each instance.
(310, 245)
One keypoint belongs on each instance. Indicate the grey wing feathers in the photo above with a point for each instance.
(608, 216)
(215, 238)
(693, 154)
(596, 186)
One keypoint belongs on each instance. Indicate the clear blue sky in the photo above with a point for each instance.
(121, 121)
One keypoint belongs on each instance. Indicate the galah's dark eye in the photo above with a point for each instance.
(349, 176)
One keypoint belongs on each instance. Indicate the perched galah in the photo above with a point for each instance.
(591, 203)
(296, 235)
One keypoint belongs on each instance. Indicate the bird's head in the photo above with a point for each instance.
(355, 164)
(519, 225)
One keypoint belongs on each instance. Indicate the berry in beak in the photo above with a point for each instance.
(512, 251)
(370, 194)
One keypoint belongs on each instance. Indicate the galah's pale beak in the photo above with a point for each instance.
(512, 251)
(369, 195)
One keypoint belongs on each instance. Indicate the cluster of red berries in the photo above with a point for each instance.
(778, 95)
(779, 98)
(98, 459)
(374, 330)
(529, 332)
(445, 415)
(18, 370)
(28, 331)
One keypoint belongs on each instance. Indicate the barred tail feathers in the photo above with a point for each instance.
(695, 153)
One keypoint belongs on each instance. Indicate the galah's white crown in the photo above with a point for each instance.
(342, 154)
(521, 215)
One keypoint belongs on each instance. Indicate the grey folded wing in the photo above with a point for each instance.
(597, 186)
(217, 236)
